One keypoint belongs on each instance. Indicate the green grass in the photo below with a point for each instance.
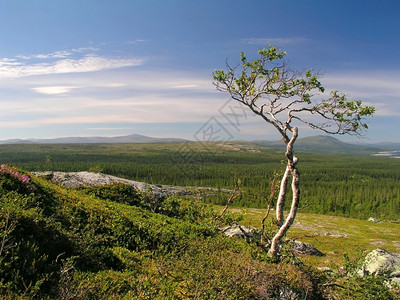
(332, 235)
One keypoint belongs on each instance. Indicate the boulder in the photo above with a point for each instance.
(241, 231)
(381, 262)
(254, 233)
(306, 248)
(371, 219)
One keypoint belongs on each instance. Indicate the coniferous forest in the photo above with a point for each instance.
(358, 186)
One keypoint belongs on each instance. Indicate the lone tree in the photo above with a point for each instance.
(283, 98)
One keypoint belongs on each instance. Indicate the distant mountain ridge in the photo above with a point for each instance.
(314, 144)
(331, 145)
(133, 138)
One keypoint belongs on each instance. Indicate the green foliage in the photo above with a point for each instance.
(107, 243)
(349, 285)
(119, 192)
(347, 113)
(280, 95)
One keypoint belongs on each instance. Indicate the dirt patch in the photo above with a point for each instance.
(378, 242)
(397, 244)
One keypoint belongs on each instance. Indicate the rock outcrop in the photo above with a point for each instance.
(381, 262)
(76, 179)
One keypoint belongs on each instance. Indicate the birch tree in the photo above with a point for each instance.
(285, 98)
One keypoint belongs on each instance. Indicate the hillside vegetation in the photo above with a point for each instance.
(111, 242)
(352, 186)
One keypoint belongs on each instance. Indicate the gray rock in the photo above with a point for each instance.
(252, 232)
(286, 293)
(336, 235)
(381, 262)
(373, 220)
(306, 248)
(241, 231)
(76, 179)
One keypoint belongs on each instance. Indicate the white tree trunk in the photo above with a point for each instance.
(276, 241)
(280, 203)
(291, 168)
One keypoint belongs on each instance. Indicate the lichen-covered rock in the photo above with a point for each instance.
(76, 179)
(381, 262)
(241, 231)
(371, 219)
(306, 248)
(254, 233)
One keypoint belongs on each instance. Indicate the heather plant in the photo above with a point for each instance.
(22, 180)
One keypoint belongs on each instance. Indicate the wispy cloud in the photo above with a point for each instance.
(184, 86)
(275, 41)
(75, 60)
(378, 88)
(59, 54)
(137, 41)
(107, 99)
(12, 68)
(53, 90)
(108, 128)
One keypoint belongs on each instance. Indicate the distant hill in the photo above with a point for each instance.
(133, 138)
(313, 144)
(386, 146)
(327, 145)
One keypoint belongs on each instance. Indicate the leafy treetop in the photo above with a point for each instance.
(281, 95)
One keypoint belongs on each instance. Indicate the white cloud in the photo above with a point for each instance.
(137, 41)
(275, 41)
(113, 85)
(108, 97)
(58, 54)
(88, 63)
(9, 62)
(108, 128)
(184, 86)
(64, 61)
(53, 90)
(378, 83)
(378, 88)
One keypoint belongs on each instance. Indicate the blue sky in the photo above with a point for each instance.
(109, 68)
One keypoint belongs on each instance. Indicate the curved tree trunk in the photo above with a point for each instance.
(291, 168)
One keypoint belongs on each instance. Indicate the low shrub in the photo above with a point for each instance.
(110, 242)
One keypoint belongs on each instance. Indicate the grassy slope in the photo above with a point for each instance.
(334, 235)
(111, 243)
